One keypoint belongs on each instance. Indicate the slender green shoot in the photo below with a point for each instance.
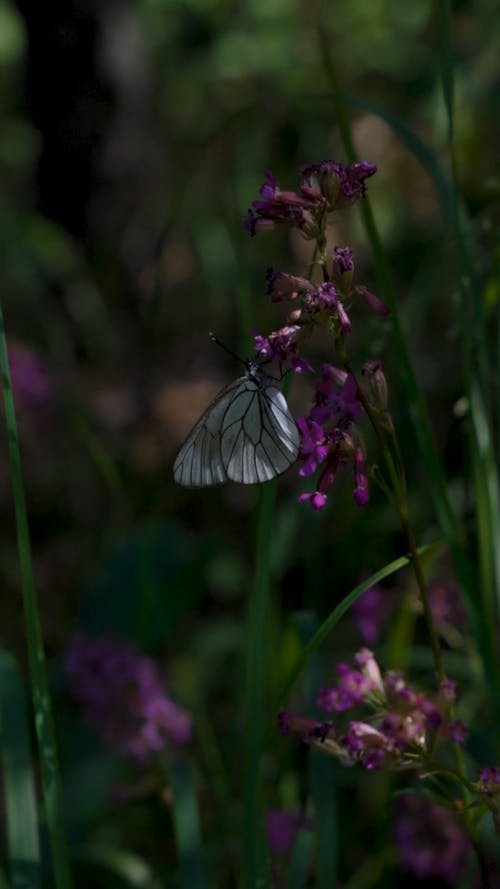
(23, 844)
(42, 705)
(255, 866)
(187, 826)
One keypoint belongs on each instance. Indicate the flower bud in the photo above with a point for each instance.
(375, 384)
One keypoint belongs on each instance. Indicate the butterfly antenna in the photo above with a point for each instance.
(223, 346)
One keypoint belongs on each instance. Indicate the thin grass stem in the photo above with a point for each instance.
(42, 704)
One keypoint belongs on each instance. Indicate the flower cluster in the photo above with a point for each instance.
(403, 726)
(323, 188)
(328, 433)
(122, 697)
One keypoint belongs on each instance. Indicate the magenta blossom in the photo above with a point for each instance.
(282, 346)
(327, 436)
(402, 725)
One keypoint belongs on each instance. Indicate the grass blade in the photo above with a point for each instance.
(449, 522)
(42, 704)
(333, 619)
(255, 862)
(23, 843)
(187, 826)
(472, 320)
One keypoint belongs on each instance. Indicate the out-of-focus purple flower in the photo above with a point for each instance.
(360, 493)
(281, 830)
(430, 842)
(489, 781)
(30, 381)
(370, 612)
(122, 697)
(446, 605)
(282, 346)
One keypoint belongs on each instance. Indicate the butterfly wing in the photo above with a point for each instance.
(247, 435)
(199, 462)
(259, 437)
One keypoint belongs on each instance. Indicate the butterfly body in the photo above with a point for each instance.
(246, 435)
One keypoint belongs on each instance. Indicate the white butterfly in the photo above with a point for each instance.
(247, 435)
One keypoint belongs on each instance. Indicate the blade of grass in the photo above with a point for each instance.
(42, 705)
(333, 619)
(187, 826)
(448, 520)
(128, 867)
(23, 845)
(323, 786)
(300, 860)
(477, 378)
(255, 863)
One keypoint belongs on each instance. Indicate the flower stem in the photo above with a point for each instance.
(399, 500)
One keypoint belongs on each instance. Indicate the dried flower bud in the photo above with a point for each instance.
(376, 384)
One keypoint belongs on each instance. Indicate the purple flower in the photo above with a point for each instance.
(122, 697)
(373, 301)
(429, 840)
(446, 606)
(338, 185)
(343, 260)
(370, 612)
(282, 286)
(402, 724)
(361, 494)
(457, 731)
(282, 209)
(282, 346)
(281, 830)
(31, 383)
(489, 780)
(325, 299)
(317, 499)
(323, 187)
(313, 446)
(338, 409)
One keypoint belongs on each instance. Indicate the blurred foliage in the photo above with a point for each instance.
(134, 137)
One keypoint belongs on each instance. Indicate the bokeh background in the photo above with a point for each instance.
(133, 137)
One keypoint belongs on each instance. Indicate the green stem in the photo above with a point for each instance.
(44, 723)
(399, 499)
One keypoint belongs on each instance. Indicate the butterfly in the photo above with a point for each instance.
(246, 435)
